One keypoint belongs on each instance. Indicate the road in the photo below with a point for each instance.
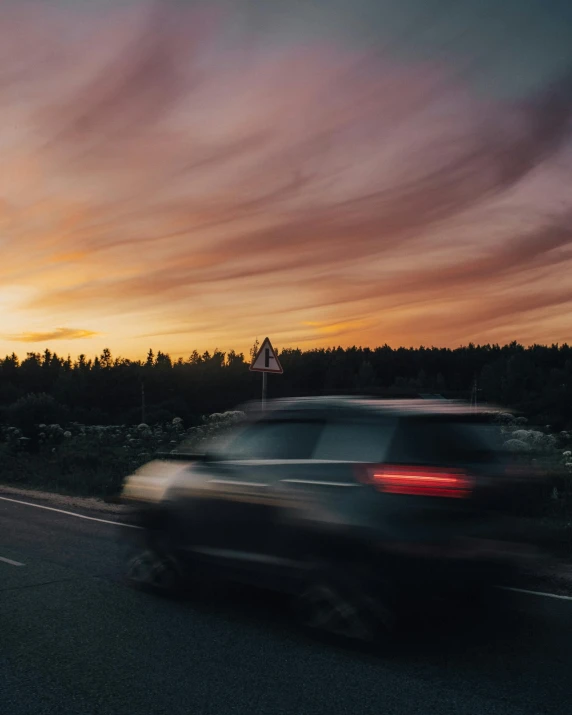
(76, 640)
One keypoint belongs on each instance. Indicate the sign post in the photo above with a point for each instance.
(264, 387)
(266, 361)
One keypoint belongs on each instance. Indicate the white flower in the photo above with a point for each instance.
(67, 434)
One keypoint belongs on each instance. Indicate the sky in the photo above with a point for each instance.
(187, 175)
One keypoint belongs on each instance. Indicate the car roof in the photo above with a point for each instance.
(369, 406)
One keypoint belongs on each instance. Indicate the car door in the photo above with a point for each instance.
(324, 495)
(241, 501)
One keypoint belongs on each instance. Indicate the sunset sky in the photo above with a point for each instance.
(184, 175)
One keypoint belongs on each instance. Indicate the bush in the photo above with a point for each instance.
(211, 426)
(32, 410)
(83, 460)
(70, 470)
(89, 460)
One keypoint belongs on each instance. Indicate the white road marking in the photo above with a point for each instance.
(72, 513)
(542, 594)
(9, 561)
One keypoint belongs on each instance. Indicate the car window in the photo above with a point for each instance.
(288, 439)
(442, 442)
(355, 441)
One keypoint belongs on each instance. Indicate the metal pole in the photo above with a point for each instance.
(264, 387)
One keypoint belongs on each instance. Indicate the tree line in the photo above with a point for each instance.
(536, 380)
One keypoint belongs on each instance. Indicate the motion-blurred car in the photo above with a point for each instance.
(348, 504)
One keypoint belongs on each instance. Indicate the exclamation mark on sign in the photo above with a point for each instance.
(267, 357)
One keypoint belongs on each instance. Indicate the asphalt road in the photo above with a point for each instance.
(74, 639)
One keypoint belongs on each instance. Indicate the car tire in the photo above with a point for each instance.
(154, 571)
(336, 601)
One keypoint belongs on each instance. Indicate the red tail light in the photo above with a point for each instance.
(421, 481)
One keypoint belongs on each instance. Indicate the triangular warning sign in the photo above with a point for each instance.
(266, 359)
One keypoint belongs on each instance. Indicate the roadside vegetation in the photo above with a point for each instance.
(550, 454)
(93, 460)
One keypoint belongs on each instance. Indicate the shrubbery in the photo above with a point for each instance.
(551, 454)
(94, 460)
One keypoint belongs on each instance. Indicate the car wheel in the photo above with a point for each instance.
(154, 572)
(328, 605)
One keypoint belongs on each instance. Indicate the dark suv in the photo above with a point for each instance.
(348, 504)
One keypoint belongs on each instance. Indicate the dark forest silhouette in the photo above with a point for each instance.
(536, 380)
